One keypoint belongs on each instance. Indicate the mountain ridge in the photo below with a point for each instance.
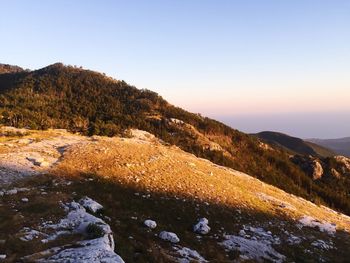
(294, 144)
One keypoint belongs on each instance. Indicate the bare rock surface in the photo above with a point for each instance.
(97, 248)
(31, 156)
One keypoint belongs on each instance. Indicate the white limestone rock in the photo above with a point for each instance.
(90, 205)
(150, 223)
(169, 236)
(202, 226)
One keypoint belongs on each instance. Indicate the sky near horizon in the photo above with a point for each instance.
(256, 65)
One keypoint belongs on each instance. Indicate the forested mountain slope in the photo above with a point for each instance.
(88, 102)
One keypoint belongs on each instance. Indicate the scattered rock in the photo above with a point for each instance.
(44, 164)
(12, 192)
(189, 255)
(311, 165)
(150, 224)
(335, 173)
(322, 244)
(25, 141)
(293, 240)
(344, 161)
(191, 164)
(169, 236)
(242, 233)
(35, 160)
(141, 135)
(30, 234)
(25, 200)
(250, 249)
(176, 121)
(318, 170)
(202, 226)
(323, 226)
(98, 248)
(90, 205)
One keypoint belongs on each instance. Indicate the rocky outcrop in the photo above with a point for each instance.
(98, 246)
(335, 173)
(317, 172)
(344, 164)
(334, 167)
(202, 226)
(310, 165)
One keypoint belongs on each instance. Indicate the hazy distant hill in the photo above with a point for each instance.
(293, 144)
(340, 146)
(89, 102)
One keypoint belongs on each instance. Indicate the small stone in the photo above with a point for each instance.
(90, 205)
(150, 223)
(202, 226)
(44, 164)
(25, 200)
(169, 236)
(12, 192)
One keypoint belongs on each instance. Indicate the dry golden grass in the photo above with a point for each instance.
(167, 169)
(164, 169)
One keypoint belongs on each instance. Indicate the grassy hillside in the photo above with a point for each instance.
(141, 178)
(88, 102)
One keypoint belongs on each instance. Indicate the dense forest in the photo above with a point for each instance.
(88, 102)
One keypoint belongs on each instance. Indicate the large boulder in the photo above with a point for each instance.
(310, 165)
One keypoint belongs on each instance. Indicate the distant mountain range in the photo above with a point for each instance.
(340, 146)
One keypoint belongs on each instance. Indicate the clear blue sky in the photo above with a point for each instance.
(257, 65)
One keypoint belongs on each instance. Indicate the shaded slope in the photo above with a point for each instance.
(321, 150)
(294, 145)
